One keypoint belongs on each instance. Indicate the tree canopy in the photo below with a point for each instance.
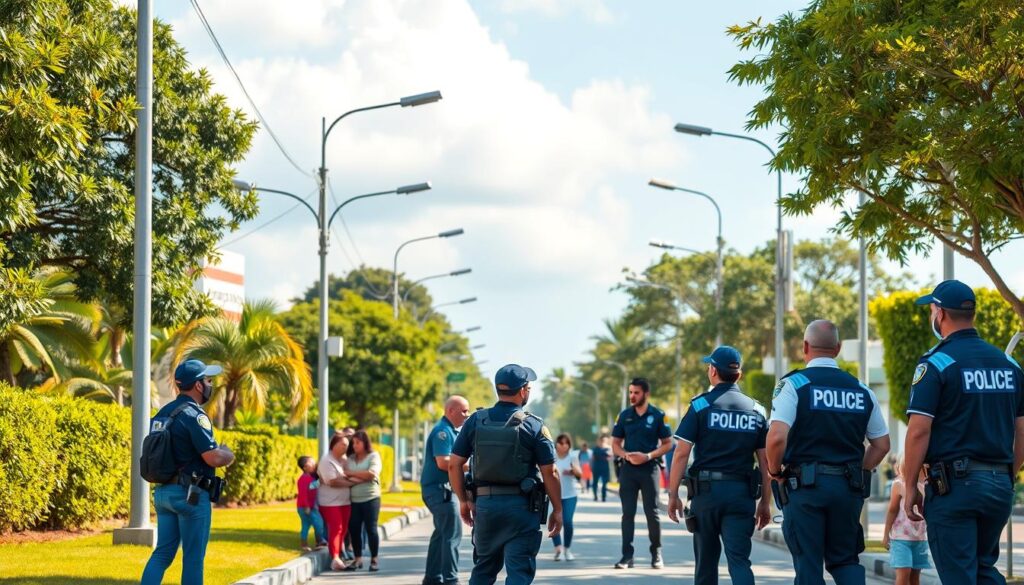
(917, 104)
(67, 132)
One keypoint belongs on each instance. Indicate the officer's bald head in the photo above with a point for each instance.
(821, 339)
(456, 410)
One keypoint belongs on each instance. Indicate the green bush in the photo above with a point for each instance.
(759, 386)
(31, 464)
(95, 442)
(907, 335)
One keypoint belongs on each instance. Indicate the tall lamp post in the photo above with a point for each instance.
(324, 222)
(396, 476)
(324, 225)
(662, 184)
(780, 300)
(434, 309)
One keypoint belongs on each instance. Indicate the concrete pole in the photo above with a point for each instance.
(396, 476)
(780, 301)
(862, 344)
(323, 424)
(948, 269)
(139, 530)
(415, 471)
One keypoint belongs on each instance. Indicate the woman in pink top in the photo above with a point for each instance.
(906, 539)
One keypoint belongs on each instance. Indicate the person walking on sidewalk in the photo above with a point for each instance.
(600, 462)
(905, 539)
(567, 464)
(820, 418)
(640, 438)
(726, 430)
(967, 423)
(443, 551)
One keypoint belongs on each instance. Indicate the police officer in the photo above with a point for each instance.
(443, 552)
(966, 415)
(512, 454)
(727, 429)
(640, 437)
(195, 452)
(815, 449)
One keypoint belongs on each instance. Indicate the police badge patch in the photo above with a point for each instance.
(204, 421)
(919, 373)
(544, 431)
(778, 388)
(442, 435)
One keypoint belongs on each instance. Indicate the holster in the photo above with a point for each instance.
(446, 492)
(756, 489)
(779, 494)
(703, 482)
(808, 474)
(216, 488)
(938, 478)
(691, 489)
(859, 479)
(690, 520)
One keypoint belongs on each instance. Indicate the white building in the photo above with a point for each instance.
(224, 282)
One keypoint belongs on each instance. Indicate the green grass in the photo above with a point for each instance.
(243, 541)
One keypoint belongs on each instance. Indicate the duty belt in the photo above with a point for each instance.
(720, 476)
(963, 465)
(499, 490)
(822, 468)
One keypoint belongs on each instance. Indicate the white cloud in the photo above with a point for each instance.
(595, 10)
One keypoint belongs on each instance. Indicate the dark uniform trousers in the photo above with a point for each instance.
(505, 530)
(965, 525)
(830, 509)
(642, 480)
(443, 550)
(725, 516)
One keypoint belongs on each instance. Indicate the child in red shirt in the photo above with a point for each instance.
(306, 504)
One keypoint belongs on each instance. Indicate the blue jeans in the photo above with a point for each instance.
(443, 551)
(505, 533)
(964, 527)
(178, 522)
(314, 520)
(568, 511)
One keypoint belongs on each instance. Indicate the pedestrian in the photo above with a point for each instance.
(726, 430)
(905, 539)
(966, 408)
(364, 465)
(588, 474)
(600, 462)
(816, 455)
(640, 438)
(182, 505)
(335, 496)
(346, 545)
(443, 551)
(308, 508)
(567, 464)
(513, 469)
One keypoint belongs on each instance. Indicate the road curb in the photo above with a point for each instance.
(311, 564)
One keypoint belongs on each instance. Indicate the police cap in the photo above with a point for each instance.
(950, 294)
(725, 359)
(189, 372)
(513, 377)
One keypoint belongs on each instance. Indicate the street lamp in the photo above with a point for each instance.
(394, 274)
(324, 224)
(780, 301)
(679, 339)
(448, 304)
(662, 184)
(471, 329)
(459, 272)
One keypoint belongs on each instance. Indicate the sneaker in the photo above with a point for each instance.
(568, 555)
(558, 554)
(624, 563)
(337, 565)
(656, 561)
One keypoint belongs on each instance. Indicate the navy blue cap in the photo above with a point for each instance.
(725, 359)
(950, 294)
(513, 377)
(189, 372)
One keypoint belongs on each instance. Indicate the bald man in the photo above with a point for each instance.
(443, 552)
(816, 457)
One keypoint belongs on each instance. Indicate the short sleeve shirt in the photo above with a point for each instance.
(534, 435)
(439, 444)
(641, 433)
(191, 434)
(973, 393)
(726, 428)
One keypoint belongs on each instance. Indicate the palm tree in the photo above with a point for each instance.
(53, 326)
(258, 357)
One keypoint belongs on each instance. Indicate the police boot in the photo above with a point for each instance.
(624, 563)
(656, 561)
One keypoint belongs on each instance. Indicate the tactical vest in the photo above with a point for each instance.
(832, 417)
(498, 455)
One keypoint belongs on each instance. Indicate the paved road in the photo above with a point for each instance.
(596, 545)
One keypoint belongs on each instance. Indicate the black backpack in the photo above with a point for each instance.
(157, 463)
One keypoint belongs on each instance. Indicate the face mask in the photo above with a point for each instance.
(935, 329)
(207, 391)
(526, 398)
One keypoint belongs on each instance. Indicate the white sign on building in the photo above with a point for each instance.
(224, 282)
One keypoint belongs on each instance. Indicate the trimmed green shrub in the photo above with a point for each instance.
(759, 386)
(906, 335)
(31, 464)
(95, 442)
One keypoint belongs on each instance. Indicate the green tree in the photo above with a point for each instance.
(67, 84)
(259, 357)
(388, 364)
(916, 104)
(48, 327)
(373, 284)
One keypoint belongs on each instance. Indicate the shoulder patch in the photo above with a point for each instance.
(940, 360)
(699, 404)
(778, 388)
(442, 435)
(545, 432)
(919, 373)
(204, 421)
(799, 381)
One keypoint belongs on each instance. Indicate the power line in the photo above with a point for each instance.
(266, 223)
(259, 114)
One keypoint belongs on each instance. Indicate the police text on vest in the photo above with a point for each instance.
(725, 420)
(996, 380)
(837, 399)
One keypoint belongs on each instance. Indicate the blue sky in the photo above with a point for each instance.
(556, 113)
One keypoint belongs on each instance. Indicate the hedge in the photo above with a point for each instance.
(65, 462)
(906, 335)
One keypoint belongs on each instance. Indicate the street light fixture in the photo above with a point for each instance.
(668, 186)
(433, 309)
(472, 329)
(459, 272)
(780, 301)
(667, 246)
(394, 273)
